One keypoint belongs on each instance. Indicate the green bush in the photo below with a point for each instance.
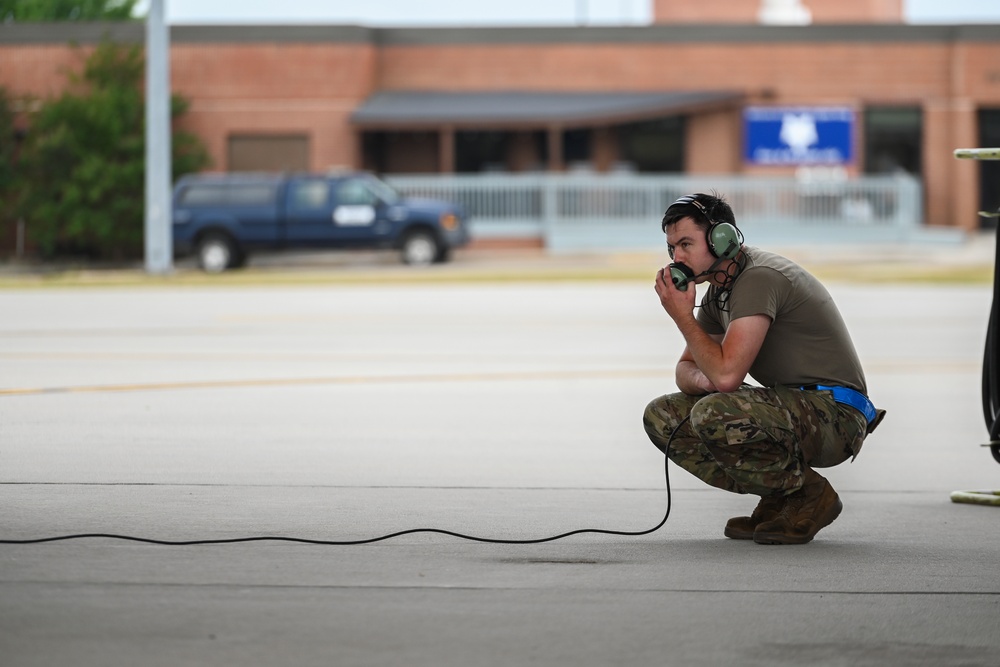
(8, 146)
(66, 10)
(81, 170)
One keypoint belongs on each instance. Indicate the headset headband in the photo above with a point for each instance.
(701, 207)
(691, 199)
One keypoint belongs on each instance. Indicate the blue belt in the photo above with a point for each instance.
(850, 397)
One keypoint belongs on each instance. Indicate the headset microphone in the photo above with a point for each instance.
(680, 275)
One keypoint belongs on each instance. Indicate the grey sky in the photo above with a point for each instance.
(504, 12)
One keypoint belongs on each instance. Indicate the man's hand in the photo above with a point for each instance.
(690, 379)
(678, 304)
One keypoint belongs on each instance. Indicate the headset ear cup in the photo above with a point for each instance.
(681, 275)
(724, 240)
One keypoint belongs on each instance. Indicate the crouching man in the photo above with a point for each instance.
(763, 316)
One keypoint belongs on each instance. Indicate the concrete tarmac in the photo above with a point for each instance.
(502, 410)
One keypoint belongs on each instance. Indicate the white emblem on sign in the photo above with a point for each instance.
(798, 130)
(354, 216)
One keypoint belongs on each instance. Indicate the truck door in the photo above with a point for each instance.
(341, 212)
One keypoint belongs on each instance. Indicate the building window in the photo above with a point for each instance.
(500, 151)
(576, 150)
(268, 152)
(400, 152)
(653, 146)
(477, 151)
(893, 140)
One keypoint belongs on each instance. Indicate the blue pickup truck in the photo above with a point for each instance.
(222, 218)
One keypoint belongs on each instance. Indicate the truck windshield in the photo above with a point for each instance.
(382, 190)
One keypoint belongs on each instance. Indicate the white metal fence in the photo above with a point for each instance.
(578, 212)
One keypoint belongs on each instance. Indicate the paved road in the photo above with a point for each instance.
(502, 410)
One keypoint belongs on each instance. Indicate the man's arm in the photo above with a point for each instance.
(689, 377)
(724, 364)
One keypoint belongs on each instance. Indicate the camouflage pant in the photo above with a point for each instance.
(755, 439)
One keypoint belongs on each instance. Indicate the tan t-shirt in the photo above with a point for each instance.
(807, 343)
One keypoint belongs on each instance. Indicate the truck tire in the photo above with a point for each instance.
(217, 252)
(420, 248)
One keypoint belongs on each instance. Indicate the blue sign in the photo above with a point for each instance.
(798, 135)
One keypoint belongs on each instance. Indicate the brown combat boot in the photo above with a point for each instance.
(742, 527)
(806, 511)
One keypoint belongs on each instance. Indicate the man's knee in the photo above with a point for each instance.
(655, 423)
(663, 415)
(710, 414)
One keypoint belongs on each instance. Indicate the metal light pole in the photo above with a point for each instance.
(158, 218)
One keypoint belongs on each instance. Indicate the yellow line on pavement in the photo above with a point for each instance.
(666, 373)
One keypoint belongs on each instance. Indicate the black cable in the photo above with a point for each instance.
(440, 531)
(991, 374)
(991, 363)
(729, 275)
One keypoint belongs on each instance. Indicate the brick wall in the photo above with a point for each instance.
(39, 70)
(815, 72)
(275, 88)
(291, 86)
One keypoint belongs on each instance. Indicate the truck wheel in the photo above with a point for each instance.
(420, 248)
(216, 253)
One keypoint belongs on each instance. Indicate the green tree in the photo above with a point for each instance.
(81, 170)
(66, 10)
(8, 150)
(7, 144)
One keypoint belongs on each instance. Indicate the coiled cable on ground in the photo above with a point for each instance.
(380, 538)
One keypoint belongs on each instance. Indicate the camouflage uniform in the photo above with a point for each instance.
(755, 439)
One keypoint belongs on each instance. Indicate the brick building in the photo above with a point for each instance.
(669, 97)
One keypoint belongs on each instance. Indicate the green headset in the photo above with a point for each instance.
(724, 239)
(724, 242)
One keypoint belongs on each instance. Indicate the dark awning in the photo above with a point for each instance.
(528, 110)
